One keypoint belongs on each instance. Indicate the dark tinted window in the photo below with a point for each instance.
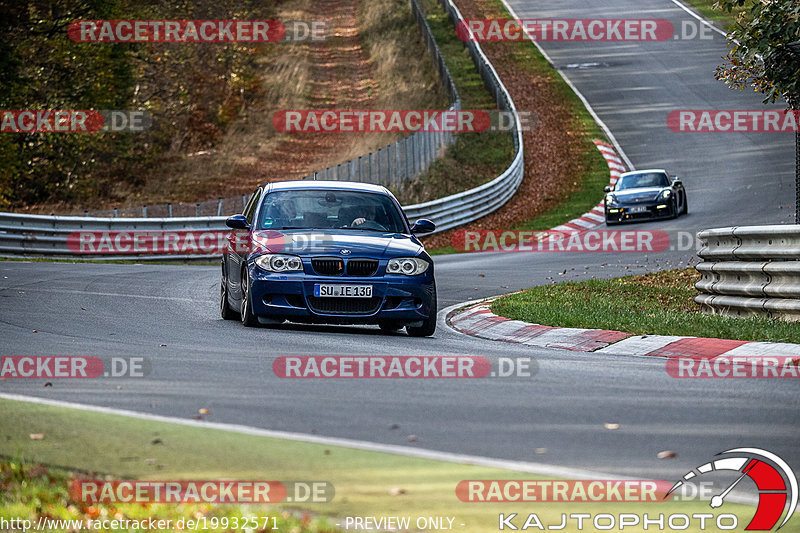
(649, 179)
(326, 209)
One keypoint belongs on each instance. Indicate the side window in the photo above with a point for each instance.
(250, 208)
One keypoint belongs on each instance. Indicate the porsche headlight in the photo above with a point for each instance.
(610, 199)
(410, 266)
(279, 263)
(666, 194)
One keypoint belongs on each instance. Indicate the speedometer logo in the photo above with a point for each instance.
(776, 483)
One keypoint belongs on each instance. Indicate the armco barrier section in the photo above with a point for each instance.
(750, 270)
(47, 235)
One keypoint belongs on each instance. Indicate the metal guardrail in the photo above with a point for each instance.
(750, 270)
(47, 235)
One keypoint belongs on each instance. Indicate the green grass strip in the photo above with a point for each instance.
(651, 304)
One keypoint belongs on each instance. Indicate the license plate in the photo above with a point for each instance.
(342, 291)
(638, 209)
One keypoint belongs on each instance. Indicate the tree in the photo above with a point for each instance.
(763, 52)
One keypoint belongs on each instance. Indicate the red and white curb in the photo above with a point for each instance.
(479, 321)
(596, 216)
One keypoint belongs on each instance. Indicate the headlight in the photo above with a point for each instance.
(410, 266)
(666, 194)
(610, 199)
(279, 263)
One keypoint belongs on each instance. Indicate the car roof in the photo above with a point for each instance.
(327, 184)
(646, 171)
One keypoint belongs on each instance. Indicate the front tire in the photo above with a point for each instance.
(685, 210)
(248, 318)
(428, 326)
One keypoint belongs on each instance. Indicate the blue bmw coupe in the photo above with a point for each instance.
(328, 252)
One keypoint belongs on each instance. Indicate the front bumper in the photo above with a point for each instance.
(290, 296)
(644, 211)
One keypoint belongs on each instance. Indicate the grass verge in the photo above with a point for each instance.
(366, 483)
(706, 8)
(651, 304)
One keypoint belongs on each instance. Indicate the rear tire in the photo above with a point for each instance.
(428, 326)
(248, 318)
(224, 308)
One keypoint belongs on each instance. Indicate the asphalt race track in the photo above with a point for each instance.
(169, 313)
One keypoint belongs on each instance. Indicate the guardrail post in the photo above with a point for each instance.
(370, 175)
(797, 176)
(197, 209)
(169, 210)
(115, 212)
(406, 156)
(219, 206)
(144, 211)
(414, 154)
(389, 164)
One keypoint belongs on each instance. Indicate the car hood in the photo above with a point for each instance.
(645, 194)
(321, 243)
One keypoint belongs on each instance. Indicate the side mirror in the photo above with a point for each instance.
(607, 188)
(676, 181)
(237, 222)
(423, 225)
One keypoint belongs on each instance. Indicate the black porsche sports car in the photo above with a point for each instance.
(645, 194)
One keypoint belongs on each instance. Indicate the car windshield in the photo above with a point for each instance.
(649, 179)
(328, 209)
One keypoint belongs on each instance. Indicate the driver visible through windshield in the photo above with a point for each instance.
(330, 209)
